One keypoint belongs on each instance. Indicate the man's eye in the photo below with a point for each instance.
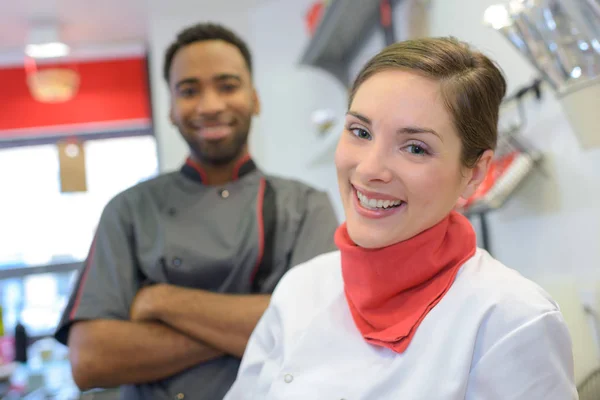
(187, 92)
(228, 88)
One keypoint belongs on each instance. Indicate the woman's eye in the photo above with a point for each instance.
(361, 133)
(416, 150)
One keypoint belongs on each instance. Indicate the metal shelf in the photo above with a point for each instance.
(344, 27)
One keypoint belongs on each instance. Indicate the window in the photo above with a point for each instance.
(40, 226)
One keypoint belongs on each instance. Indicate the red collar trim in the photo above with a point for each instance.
(192, 170)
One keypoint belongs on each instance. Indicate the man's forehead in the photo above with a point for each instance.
(208, 59)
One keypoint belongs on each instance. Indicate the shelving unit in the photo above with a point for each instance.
(343, 29)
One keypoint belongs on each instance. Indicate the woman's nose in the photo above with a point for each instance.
(373, 165)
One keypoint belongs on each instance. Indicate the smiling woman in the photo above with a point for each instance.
(413, 136)
(409, 300)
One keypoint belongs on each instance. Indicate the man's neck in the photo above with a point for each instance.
(220, 174)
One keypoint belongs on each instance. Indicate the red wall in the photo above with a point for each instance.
(110, 91)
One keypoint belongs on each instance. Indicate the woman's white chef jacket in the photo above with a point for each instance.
(494, 336)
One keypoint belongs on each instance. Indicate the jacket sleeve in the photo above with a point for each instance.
(533, 361)
(315, 236)
(108, 280)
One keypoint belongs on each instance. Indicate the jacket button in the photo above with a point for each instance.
(177, 262)
(224, 193)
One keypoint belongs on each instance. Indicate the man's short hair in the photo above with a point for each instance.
(201, 32)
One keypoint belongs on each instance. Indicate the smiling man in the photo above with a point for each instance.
(182, 266)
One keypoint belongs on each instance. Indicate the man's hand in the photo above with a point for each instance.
(223, 321)
(109, 353)
(144, 306)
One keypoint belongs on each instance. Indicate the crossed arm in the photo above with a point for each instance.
(171, 329)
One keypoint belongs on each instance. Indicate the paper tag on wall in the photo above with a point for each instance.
(71, 156)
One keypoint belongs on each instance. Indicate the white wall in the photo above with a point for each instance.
(410, 20)
(290, 93)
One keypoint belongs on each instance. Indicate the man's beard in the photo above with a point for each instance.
(220, 153)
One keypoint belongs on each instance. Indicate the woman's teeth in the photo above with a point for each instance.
(376, 204)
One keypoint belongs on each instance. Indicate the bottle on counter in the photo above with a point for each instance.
(21, 343)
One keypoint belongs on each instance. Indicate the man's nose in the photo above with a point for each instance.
(210, 102)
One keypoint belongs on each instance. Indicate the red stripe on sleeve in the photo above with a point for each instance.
(261, 226)
(85, 271)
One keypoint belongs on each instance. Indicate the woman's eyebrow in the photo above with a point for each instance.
(416, 129)
(359, 116)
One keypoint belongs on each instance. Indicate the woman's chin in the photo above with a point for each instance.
(369, 237)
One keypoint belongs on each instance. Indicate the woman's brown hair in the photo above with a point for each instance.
(472, 86)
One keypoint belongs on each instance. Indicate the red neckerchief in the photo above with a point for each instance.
(391, 290)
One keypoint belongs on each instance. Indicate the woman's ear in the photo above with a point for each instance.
(478, 174)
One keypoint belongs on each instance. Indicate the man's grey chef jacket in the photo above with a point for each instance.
(240, 237)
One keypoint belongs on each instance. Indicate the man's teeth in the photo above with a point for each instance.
(374, 203)
(212, 128)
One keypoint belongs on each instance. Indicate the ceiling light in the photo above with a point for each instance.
(47, 50)
(44, 40)
(497, 16)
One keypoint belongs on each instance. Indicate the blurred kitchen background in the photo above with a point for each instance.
(84, 115)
